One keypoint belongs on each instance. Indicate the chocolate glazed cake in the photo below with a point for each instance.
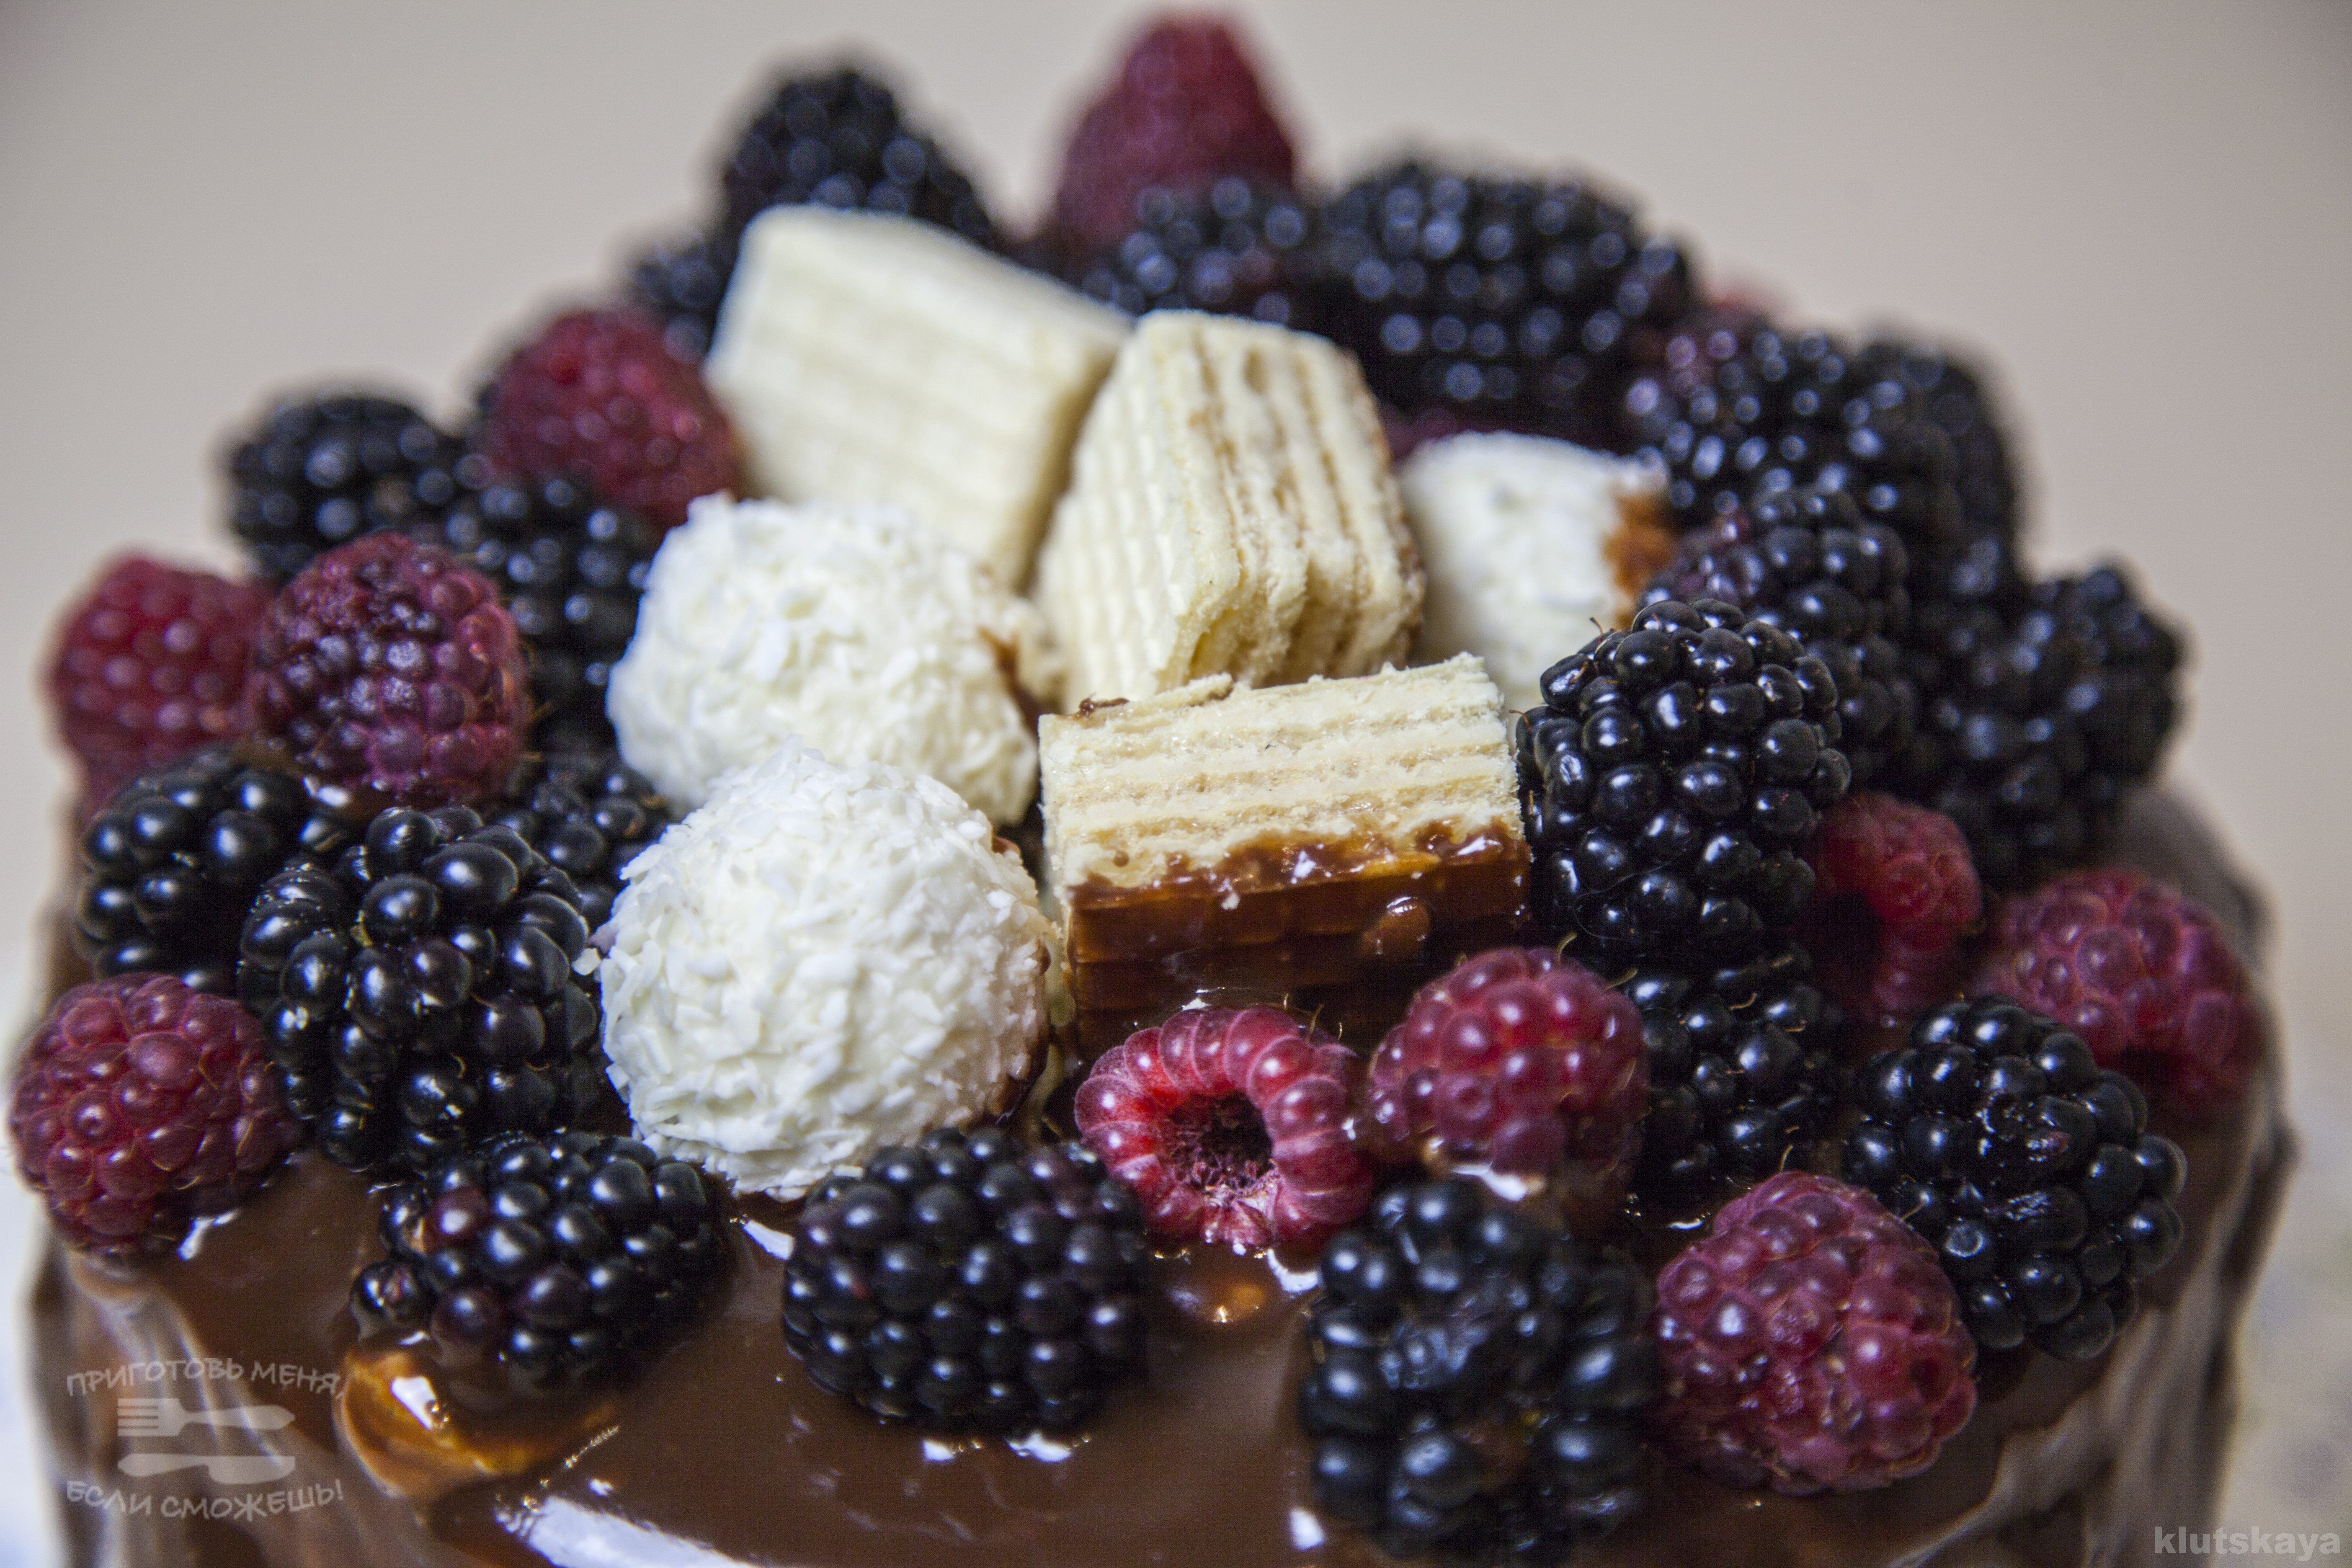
(725, 1452)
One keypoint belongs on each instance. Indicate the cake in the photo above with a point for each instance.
(793, 1170)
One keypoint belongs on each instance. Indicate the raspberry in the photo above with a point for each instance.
(141, 1104)
(1475, 1381)
(1809, 1342)
(561, 1259)
(1516, 1059)
(598, 394)
(1898, 893)
(1997, 1136)
(1186, 109)
(968, 1283)
(2142, 974)
(387, 666)
(419, 994)
(1231, 1127)
(148, 666)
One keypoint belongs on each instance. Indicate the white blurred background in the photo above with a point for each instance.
(2141, 214)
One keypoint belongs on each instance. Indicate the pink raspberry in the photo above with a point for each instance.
(149, 666)
(1811, 1343)
(139, 1104)
(386, 666)
(2144, 974)
(1898, 892)
(1231, 1127)
(598, 393)
(1518, 1059)
(1186, 110)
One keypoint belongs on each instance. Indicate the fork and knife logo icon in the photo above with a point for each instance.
(169, 1417)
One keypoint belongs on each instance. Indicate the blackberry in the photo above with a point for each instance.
(172, 863)
(1996, 1136)
(678, 281)
(1450, 1321)
(589, 813)
(1743, 1070)
(571, 571)
(837, 140)
(418, 995)
(561, 1259)
(1957, 403)
(2043, 705)
(323, 471)
(1674, 780)
(1241, 248)
(1807, 562)
(1738, 409)
(1510, 302)
(969, 1284)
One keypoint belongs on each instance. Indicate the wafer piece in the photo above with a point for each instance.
(1231, 511)
(1332, 840)
(870, 358)
(1534, 547)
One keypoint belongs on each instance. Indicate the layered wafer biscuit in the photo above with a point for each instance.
(1330, 833)
(870, 358)
(1533, 547)
(1231, 513)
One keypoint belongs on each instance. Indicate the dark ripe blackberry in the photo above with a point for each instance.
(1738, 409)
(2043, 704)
(171, 864)
(1241, 248)
(837, 140)
(1996, 1136)
(590, 814)
(1743, 1071)
(323, 471)
(970, 1284)
(1477, 1381)
(1507, 301)
(1806, 561)
(1673, 781)
(561, 1259)
(1958, 404)
(418, 995)
(679, 281)
(571, 571)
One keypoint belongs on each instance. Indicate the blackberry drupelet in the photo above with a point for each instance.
(837, 140)
(1806, 561)
(172, 862)
(571, 571)
(678, 281)
(1957, 403)
(1509, 302)
(1241, 248)
(1743, 1071)
(1738, 409)
(1450, 1322)
(969, 1284)
(418, 994)
(2043, 705)
(323, 471)
(1674, 780)
(1996, 1135)
(590, 814)
(562, 1259)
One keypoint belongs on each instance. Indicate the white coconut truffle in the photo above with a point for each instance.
(854, 627)
(822, 959)
(1533, 548)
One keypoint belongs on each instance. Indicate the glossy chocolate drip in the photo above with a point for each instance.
(725, 1453)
